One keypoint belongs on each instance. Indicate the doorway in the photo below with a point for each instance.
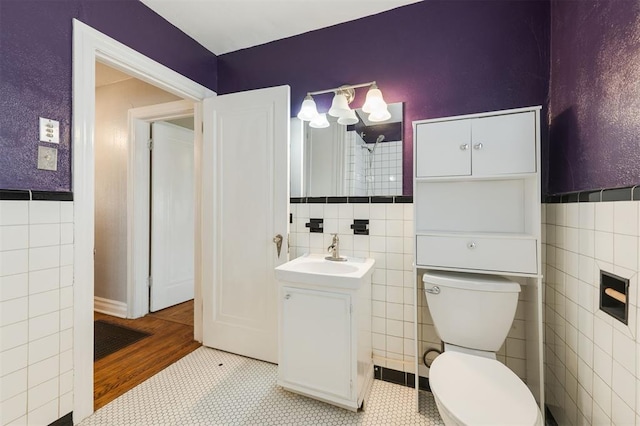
(89, 46)
(116, 93)
(159, 134)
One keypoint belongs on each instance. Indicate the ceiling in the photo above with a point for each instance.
(224, 26)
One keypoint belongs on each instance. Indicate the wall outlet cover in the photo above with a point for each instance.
(47, 158)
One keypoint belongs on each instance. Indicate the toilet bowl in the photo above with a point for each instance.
(474, 390)
(472, 314)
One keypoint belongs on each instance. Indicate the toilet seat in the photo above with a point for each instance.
(481, 391)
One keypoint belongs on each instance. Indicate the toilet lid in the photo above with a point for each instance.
(481, 391)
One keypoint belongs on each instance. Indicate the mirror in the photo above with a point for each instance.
(363, 159)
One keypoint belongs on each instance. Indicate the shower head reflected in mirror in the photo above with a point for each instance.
(379, 139)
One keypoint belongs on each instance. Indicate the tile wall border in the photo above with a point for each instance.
(395, 199)
(66, 420)
(628, 193)
(28, 195)
(400, 378)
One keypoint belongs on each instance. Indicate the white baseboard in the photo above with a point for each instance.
(110, 307)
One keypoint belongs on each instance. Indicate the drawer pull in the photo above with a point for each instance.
(433, 290)
(471, 245)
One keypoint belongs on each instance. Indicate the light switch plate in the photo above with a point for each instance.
(49, 130)
(47, 158)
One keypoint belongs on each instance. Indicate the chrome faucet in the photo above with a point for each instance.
(334, 249)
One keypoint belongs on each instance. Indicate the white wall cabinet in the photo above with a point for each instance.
(477, 207)
(483, 146)
(325, 342)
(477, 192)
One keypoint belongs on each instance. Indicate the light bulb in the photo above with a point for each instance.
(374, 100)
(348, 118)
(339, 105)
(380, 115)
(320, 121)
(308, 109)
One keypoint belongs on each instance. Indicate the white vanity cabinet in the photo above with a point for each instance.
(325, 342)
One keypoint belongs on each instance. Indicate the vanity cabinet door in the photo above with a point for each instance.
(316, 342)
(504, 144)
(443, 149)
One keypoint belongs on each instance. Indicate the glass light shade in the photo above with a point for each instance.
(308, 109)
(339, 105)
(374, 100)
(320, 121)
(380, 115)
(349, 118)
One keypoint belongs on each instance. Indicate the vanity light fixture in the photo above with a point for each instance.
(308, 111)
(374, 105)
(374, 100)
(320, 121)
(349, 117)
(340, 104)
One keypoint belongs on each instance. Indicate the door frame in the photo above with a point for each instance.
(138, 197)
(89, 46)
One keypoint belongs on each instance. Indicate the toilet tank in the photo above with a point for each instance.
(471, 310)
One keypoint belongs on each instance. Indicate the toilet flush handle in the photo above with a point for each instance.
(433, 290)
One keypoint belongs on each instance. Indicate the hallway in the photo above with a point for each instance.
(171, 339)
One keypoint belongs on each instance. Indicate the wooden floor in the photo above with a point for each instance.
(171, 339)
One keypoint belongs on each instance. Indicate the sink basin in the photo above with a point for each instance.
(315, 269)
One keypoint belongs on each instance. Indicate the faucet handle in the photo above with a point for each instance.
(334, 243)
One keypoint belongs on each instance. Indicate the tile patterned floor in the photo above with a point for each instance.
(209, 387)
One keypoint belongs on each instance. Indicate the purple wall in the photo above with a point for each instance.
(35, 73)
(438, 57)
(595, 95)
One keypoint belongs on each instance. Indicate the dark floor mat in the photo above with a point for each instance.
(109, 338)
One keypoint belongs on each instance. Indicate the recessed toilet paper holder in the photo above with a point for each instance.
(614, 293)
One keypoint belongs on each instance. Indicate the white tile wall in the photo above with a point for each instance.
(36, 320)
(390, 243)
(370, 174)
(592, 367)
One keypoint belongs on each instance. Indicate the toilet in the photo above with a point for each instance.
(472, 314)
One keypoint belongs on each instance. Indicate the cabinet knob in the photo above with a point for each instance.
(464, 147)
(287, 296)
(477, 146)
(471, 245)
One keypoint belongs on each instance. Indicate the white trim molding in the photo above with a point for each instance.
(90, 46)
(110, 307)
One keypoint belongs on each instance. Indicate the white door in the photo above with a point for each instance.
(172, 216)
(504, 144)
(443, 148)
(245, 205)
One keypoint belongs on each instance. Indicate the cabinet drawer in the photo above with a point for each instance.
(487, 253)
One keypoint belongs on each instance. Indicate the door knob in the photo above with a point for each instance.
(278, 240)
